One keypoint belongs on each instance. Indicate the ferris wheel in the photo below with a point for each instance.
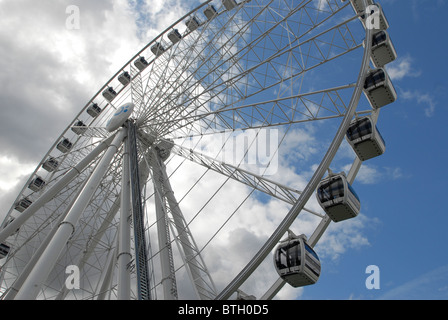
(168, 160)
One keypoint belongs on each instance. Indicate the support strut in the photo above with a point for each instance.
(143, 281)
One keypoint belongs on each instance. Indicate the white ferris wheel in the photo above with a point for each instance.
(135, 192)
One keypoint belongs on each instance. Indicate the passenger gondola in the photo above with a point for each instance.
(94, 110)
(36, 184)
(22, 204)
(174, 36)
(4, 250)
(383, 50)
(109, 94)
(124, 78)
(296, 262)
(383, 23)
(141, 63)
(358, 6)
(79, 127)
(157, 49)
(50, 164)
(365, 139)
(192, 24)
(379, 89)
(64, 146)
(229, 4)
(210, 12)
(337, 197)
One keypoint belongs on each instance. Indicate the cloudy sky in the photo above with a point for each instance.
(50, 71)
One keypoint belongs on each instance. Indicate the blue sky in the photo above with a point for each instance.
(402, 224)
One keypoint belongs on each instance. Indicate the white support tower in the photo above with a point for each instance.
(141, 257)
(165, 249)
(124, 256)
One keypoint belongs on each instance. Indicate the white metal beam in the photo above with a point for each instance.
(165, 250)
(258, 182)
(124, 242)
(196, 267)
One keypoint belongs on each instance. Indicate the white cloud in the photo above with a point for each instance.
(344, 236)
(402, 68)
(11, 172)
(367, 174)
(425, 99)
(321, 4)
(431, 285)
(153, 16)
(371, 174)
(405, 67)
(13, 175)
(49, 72)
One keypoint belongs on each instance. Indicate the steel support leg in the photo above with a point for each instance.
(143, 281)
(165, 251)
(124, 253)
(201, 279)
